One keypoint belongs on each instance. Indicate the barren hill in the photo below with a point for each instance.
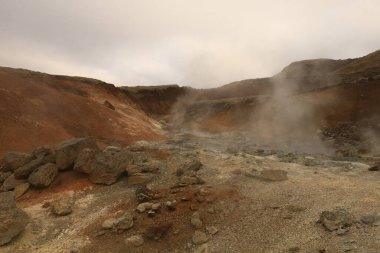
(37, 109)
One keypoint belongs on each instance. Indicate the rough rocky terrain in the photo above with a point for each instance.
(87, 167)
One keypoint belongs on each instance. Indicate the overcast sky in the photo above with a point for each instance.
(199, 43)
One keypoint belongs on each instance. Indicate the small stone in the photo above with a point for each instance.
(63, 206)
(156, 206)
(370, 219)
(196, 221)
(333, 220)
(211, 210)
(135, 241)
(342, 231)
(151, 213)
(170, 205)
(212, 230)
(199, 237)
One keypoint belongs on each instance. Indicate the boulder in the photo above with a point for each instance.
(21, 189)
(13, 219)
(85, 159)
(107, 167)
(68, 151)
(43, 176)
(24, 171)
(4, 175)
(13, 160)
(121, 223)
(334, 220)
(11, 182)
(42, 151)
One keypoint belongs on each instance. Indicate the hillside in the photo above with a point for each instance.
(37, 109)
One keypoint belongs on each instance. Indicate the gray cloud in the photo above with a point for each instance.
(202, 43)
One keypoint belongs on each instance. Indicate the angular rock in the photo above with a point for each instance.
(13, 219)
(212, 230)
(144, 194)
(24, 171)
(42, 151)
(62, 206)
(84, 161)
(11, 182)
(112, 149)
(13, 160)
(187, 180)
(121, 223)
(4, 175)
(135, 241)
(21, 189)
(68, 151)
(139, 178)
(334, 220)
(196, 221)
(199, 237)
(274, 175)
(43, 176)
(107, 167)
(107, 104)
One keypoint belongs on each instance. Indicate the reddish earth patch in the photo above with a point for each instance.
(65, 181)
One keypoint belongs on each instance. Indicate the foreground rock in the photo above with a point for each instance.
(24, 171)
(11, 182)
(13, 219)
(62, 206)
(334, 220)
(122, 223)
(68, 151)
(21, 190)
(199, 237)
(43, 176)
(135, 241)
(13, 160)
(109, 166)
(84, 161)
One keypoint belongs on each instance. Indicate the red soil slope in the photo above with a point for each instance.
(38, 109)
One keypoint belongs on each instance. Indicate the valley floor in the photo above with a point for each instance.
(240, 207)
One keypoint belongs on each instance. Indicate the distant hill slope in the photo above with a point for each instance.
(37, 109)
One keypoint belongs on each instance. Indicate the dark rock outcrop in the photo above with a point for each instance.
(43, 176)
(68, 151)
(13, 160)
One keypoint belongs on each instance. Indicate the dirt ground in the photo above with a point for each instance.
(249, 213)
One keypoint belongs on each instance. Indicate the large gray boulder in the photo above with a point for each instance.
(108, 166)
(13, 160)
(24, 171)
(43, 176)
(11, 182)
(13, 219)
(68, 151)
